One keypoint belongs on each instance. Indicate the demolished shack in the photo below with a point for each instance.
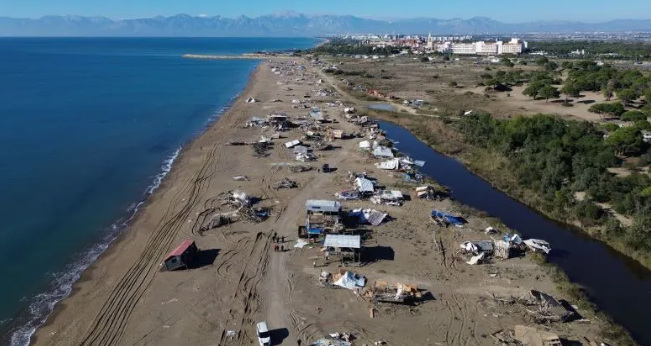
(346, 247)
(292, 144)
(538, 245)
(447, 218)
(388, 197)
(548, 308)
(382, 291)
(323, 217)
(533, 337)
(364, 186)
(368, 216)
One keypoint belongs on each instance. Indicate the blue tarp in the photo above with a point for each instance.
(315, 231)
(455, 220)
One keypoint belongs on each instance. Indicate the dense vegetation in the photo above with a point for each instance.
(557, 158)
(352, 47)
(626, 49)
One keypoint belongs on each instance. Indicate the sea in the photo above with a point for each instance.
(88, 129)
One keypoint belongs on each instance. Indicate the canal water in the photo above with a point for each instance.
(618, 285)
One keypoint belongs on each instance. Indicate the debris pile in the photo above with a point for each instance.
(388, 197)
(382, 291)
(300, 168)
(286, 184)
(548, 309)
(368, 216)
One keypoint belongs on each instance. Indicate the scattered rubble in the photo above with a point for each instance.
(286, 184)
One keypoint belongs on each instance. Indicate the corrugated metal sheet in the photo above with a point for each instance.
(340, 240)
(181, 248)
(323, 205)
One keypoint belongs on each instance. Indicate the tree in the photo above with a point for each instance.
(453, 84)
(424, 59)
(609, 127)
(608, 90)
(551, 66)
(633, 116)
(542, 61)
(570, 90)
(642, 125)
(567, 65)
(531, 91)
(626, 95)
(612, 109)
(549, 92)
(626, 140)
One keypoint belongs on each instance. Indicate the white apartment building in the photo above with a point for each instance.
(464, 48)
(486, 48)
(515, 46)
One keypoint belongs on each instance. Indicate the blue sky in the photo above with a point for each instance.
(503, 10)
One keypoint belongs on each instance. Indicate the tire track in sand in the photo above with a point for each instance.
(109, 325)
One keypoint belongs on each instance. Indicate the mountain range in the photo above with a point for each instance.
(291, 24)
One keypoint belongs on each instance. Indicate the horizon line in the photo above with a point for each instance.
(387, 19)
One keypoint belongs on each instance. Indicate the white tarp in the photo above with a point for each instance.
(370, 216)
(293, 143)
(538, 245)
(351, 281)
(300, 244)
(364, 185)
(475, 259)
(389, 165)
(391, 195)
(381, 151)
(364, 145)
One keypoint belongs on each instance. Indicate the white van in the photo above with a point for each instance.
(262, 331)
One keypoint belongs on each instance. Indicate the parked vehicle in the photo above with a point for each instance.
(262, 332)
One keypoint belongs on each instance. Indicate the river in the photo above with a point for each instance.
(618, 285)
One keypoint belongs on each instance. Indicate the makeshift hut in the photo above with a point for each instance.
(346, 247)
(182, 256)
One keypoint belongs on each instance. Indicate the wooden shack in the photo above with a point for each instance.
(182, 256)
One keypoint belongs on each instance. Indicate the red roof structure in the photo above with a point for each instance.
(181, 248)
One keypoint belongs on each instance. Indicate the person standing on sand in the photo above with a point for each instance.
(282, 239)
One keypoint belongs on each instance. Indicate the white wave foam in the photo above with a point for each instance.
(42, 304)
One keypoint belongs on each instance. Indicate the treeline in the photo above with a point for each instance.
(627, 49)
(352, 47)
(556, 159)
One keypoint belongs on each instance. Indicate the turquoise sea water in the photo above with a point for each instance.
(88, 127)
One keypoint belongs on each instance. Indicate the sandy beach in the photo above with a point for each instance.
(126, 299)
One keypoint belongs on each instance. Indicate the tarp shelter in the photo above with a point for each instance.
(351, 281)
(323, 206)
(364, 185)
(181, 256)
(382, 152)
(447, 217)
(317, 116)
(364, 145)
(370, 216)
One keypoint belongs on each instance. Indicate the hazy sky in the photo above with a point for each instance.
(503, 10)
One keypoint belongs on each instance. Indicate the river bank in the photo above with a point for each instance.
(125, 298)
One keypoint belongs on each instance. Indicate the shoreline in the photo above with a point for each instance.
(198, 306)
(159, 186)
